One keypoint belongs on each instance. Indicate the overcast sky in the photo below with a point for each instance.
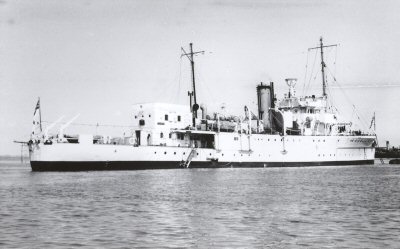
(99, 57)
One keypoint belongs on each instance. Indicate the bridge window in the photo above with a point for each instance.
(179, 118)
(166, 117)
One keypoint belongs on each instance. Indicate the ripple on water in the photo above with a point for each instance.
(268, 208)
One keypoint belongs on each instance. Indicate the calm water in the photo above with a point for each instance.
(316, 207)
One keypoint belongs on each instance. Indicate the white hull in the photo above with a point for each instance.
(263, 150)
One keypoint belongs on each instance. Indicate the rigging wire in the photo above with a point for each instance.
(311, 74)
(167, 87)
(355, 112)
(305, 74)
(203, 87)
(92, 125)
(334, 63)
(180, 79)
(170, 88)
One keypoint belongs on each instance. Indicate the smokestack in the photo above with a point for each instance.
(265, 101)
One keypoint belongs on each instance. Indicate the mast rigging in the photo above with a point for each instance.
(190, 55)
(321, 47)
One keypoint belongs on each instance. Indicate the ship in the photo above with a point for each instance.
(288, 132)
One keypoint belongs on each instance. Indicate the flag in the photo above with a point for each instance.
(37, 107)
(37, 125)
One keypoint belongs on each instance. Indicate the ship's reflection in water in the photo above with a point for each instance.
(355, 206)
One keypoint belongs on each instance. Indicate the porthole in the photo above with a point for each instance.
(165, 152)
(184, 153)
(174, 153)
(155, 152)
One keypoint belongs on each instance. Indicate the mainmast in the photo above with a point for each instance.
(323, 65)
(195, 106)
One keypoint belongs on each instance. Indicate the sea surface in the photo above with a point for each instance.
(305, 207)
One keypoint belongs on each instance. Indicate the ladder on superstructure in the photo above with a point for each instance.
(186, 164)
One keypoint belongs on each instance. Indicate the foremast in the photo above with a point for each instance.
(323, 65)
